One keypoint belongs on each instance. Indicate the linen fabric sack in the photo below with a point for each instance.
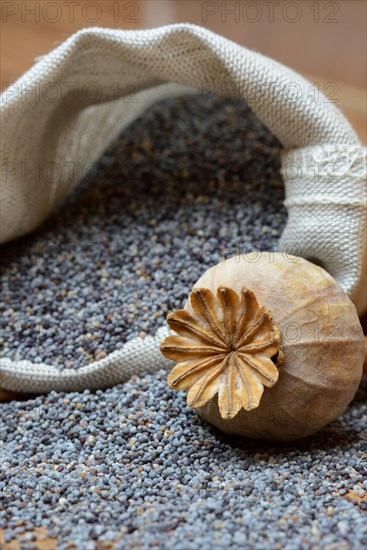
(52, 128)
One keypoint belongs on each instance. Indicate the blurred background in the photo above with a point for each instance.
(323, 40)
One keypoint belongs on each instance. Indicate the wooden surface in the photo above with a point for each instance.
(325, 41)
(326, 44)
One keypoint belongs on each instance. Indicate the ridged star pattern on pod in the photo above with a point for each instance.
(224, 348)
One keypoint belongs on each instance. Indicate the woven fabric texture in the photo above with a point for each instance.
(59, 117)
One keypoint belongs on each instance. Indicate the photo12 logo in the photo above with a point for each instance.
(270, 91)
(68, 92)
(52, 12)
(269, 12)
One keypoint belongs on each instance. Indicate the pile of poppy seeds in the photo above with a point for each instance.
(191, 182)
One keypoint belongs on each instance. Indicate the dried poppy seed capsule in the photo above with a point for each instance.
(268, 347)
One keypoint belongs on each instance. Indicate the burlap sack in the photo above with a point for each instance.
(61, 115)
